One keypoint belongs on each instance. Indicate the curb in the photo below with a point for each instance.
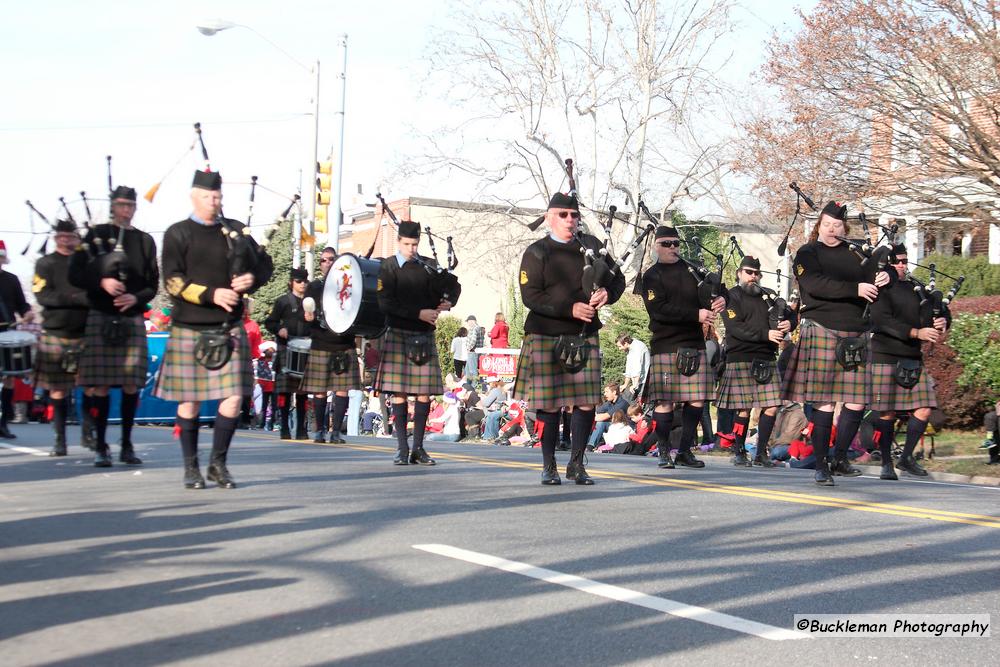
(979, 480)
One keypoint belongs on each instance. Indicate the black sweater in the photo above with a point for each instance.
(551, 282)
(142, 274)
(287, 313)
(65, 306)
(11, 299)
(828, 279)
(896, 312)
(403, 291)
(747, 326)
(323, 338)
(671, 296)
(195, 264)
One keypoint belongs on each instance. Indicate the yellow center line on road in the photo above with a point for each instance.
(711, 487)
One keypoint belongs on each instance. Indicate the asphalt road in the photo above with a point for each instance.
(331, 555)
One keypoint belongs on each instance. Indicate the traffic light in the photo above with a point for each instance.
(324, 180)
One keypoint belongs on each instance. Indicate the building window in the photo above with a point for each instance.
(956, 245)
(930, 243)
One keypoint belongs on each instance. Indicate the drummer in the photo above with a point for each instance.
(333, 360)
(12, 305)
(287, 321)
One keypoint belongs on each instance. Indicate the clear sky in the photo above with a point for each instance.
(82, 80)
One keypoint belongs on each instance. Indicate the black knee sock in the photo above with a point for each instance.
(580, 427)
(822, 428)
(914, 431)
(566, 419)
(420, 412)
(339, 412)
(130, 403)
(690, 417)
(86, 417)
(301, 422)
(285, 403)
(7, 405)
(319, 411)
(847, 428)
(765, 425)
(101, 404)
(550, 434)
(222, 435)
(59, 418)
(883, 438)
(189, 438)
(740, 427)
(399, 415)
(663, 422)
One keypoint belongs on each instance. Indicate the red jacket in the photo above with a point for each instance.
(253, 336)
(498, 335)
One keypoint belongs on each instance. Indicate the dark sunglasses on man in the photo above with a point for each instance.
(570, 214)
(669, 244)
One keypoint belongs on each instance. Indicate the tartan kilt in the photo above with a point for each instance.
(813, 374)
(106, 365)
(667, 384)
(319, 378)
(544, 385)
(398, 375)
(49, 373)
(739, 391)
(888, 395)
(181, 378)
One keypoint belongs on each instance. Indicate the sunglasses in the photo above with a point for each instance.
(297, 280)
(669, 244)
(325, 260)
(899, 261)
(570, 214)
(751, 272)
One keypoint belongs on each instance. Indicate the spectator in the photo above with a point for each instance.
(264, 372)
(644, 438)
(493, 406)
(474, 340)
(458, 352)
(613, 402)
(991, 423)
(437, 409)
(371, 357)
(636, 366)
(474, 413)
(789, 424)
(450, 421)
(254, 339)
(499, 332)
(618, 432)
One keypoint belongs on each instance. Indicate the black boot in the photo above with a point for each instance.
(59, 448)
(192, 474)
(7, 409)
(127, 454)
(740, 458)
(550, 473)
(301, 432)
(823, 476)
(286, 433)
(218, 472)
(887, 471)
(319, 412)
(87, 438)
(765, 425)
(577, 471)
(222, 437)
(5, 432)
(59, 425)
(399, 415)
(662, 422)
(421, 411)
(910, 465)
(687, 459)
(102, 457)
(339, 412)
(842, 468)
(740, 427)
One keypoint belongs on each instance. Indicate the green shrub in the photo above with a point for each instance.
(627, 316)
(976, 338)
(447, 327)
(981, 277)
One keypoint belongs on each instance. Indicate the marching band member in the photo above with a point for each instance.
(333, 362)
(116, 264)
(12, 305)
(64, 320)
(679, 371)
(899, 379)
(559, 310)
(830, 363)
(208, 264)
(750, 379)
(287, 321)
(409, 363)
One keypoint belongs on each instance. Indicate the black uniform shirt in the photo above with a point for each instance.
(828, 279)
(747, 324)
(670, 293)
(65, 306)
(287, 313)
(896, 312)
(195, 264)
(142, 273)
(323, 338)
(550, 278)
(403, 291)
(11, 299)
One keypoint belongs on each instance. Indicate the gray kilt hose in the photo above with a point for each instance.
(668, 385)
(103, 364)
(813, 374)
(320, 377)
(544, 385)
(182, 378)
(49, 354)
(888, 395)
(396, 374)
(739, 391)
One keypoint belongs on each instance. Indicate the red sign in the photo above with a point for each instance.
(501, 365)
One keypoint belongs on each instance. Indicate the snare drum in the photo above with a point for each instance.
(297, 356)
(350, 297)
(16, 351)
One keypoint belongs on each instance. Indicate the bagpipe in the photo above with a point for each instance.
(444, 282)
(933, 302)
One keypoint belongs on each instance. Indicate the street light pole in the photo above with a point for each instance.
(315, 161)
(338, 216)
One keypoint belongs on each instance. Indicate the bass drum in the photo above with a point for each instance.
(350, 297)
